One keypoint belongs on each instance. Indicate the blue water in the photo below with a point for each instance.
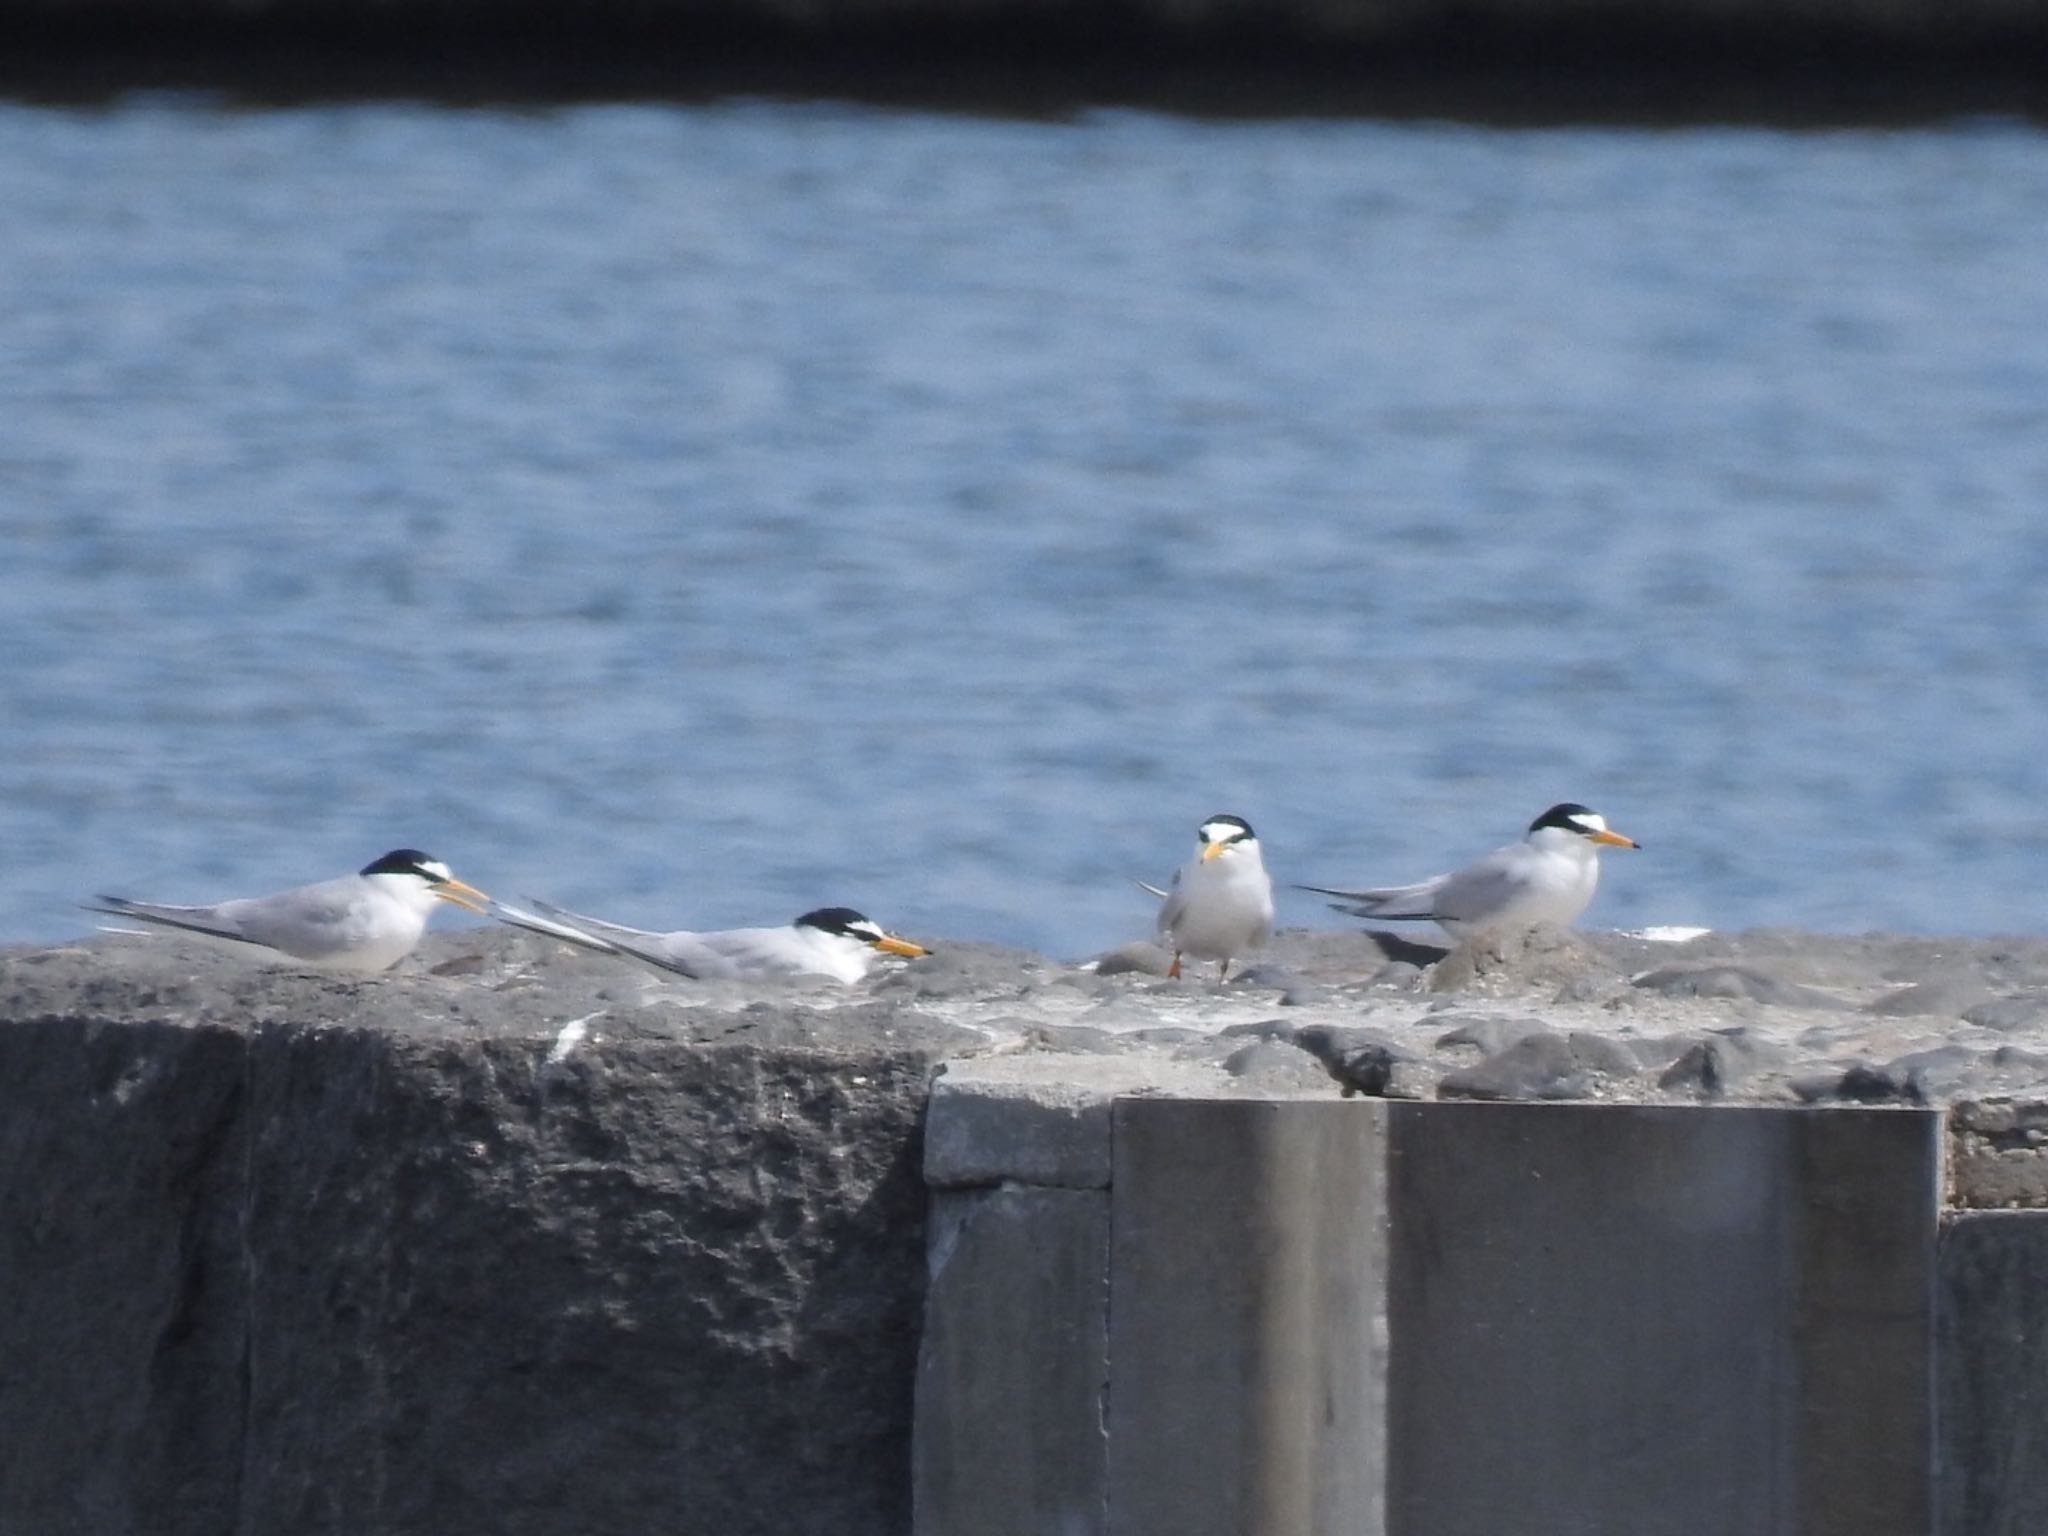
(694, 514)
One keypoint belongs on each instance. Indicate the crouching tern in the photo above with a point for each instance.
(1548, 877)
(368, 921)
(832, 941)
(1221, 901)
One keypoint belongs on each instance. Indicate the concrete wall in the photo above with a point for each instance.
(1657, 1320)
(455, 1267)
(1229, 1263)
(1992, 1389)
(1433, 1319)
(290, 1279)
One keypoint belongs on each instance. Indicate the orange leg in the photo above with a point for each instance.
(1173, 970)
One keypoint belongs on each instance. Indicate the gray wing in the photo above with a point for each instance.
(757, 952)
(558, 927)
(311, 923)
(724, 954)
(1390, 903)
(206, 920)
(1485, 888)
(1175, 900)
(681, 953)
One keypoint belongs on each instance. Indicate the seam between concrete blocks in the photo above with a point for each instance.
(1102, 1398)
(244, 1218)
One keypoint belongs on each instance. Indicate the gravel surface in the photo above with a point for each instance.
(1764, 1016)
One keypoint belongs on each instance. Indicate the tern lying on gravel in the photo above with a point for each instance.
(368, 921)
(831, 941)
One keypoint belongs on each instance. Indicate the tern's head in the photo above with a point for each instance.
(845, 923)
(1226, 834)
(408, 867)
(1571, 820)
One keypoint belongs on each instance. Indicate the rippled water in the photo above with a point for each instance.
(697, 513)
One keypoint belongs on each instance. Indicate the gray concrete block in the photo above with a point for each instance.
(1040, 1119)
(1868, 1187)
(121, 1157)
(1246, 1321)
(670, 1288)
(1992, 1390)
(1009, 1434)
(271, 1276)
(1665, 1322)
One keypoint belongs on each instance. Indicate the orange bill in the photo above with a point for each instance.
(462, 894)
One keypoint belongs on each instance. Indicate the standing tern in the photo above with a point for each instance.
(1548, 877)
(368, 921)
(1221, 900)
(832, 941)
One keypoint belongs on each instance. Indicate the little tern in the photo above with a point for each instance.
(831, 941)
(1548, 877)
(1221, 901)
(368, 921)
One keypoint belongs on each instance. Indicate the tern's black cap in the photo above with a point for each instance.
(406, 861)
(1567, 816)
(840, 920)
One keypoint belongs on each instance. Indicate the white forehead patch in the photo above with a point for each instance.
(1590, 821)
(1222, 831)
(434, 869)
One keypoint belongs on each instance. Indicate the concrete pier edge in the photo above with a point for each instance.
(521, 1243)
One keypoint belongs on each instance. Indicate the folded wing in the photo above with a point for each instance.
(206, 920)
(1388, 903)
